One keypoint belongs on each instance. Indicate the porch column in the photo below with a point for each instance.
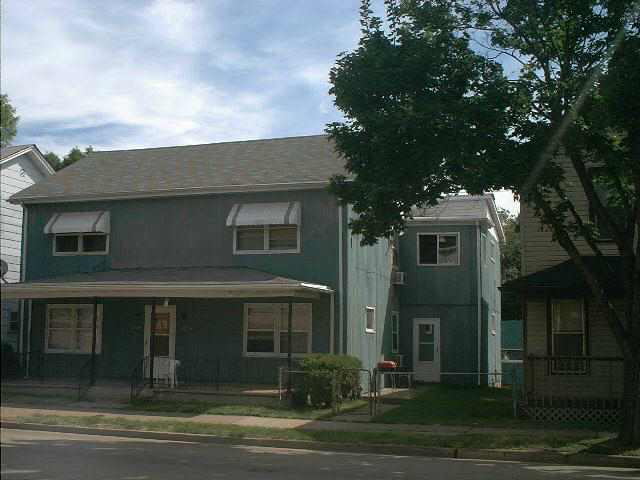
(290, 343)
(92, 378)
(152, 353)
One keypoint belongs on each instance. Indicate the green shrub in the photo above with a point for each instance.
(316, 385)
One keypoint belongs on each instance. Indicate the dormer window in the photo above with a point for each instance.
(265, 228)
(79, 233)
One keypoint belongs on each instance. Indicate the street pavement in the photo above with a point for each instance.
(36, 455)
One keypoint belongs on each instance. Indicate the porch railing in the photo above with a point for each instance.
(138, 377)
(573, 381)
(23, 365)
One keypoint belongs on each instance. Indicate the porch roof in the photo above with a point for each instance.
(565, 278)
(186, 282)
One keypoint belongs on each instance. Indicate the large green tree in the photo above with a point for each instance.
(8, 121)
(426, 114)
(70, 158)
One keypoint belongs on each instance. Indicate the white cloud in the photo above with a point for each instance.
(91, 76)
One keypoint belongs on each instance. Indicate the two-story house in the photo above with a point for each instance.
(237, 250)
(20, 167)
(450, 303)
(573, 368)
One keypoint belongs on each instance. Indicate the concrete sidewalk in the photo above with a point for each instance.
(11, 414)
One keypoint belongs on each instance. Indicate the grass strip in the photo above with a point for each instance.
(209, 408)
(569, 443)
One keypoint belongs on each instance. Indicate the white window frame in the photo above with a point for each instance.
(511, 350)
(395, 330)
(368, 309)
(76, 306)
(583, 332)
(80, 244)
(492, 250)
(438, 235)
(265, 250)
(284, 307)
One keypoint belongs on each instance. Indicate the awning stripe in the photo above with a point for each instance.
(254, 214)
(79, 222)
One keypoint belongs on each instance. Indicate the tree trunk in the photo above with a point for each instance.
(630, 430)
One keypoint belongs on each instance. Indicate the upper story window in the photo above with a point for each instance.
(267, 239)
(80, 233)
(442, 249)
(616, 211)
(265, 227)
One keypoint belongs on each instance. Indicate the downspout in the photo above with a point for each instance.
(479, 290)
(23, 262)
(341, 282)
(332, 318)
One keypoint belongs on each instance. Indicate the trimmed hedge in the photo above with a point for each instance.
(316, 386)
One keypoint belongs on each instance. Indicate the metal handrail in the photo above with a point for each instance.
(137, 378)
(84, 379)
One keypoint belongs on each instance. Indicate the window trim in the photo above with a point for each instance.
(276, 334)
(76, 306)
(552, 332)
(511, 350)
(265, 237)
(368, 309)
(395, 346)
(438, 234)
(80, 244)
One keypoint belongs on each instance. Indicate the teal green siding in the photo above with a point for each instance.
(368, 278)
(209, 340)
(451, 293)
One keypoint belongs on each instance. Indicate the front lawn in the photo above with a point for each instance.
(456, 405)
(208, 408)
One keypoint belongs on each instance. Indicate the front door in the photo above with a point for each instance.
(426, 349)
(163, 336)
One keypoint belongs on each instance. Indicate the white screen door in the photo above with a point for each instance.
(164, 343)
(426, 349)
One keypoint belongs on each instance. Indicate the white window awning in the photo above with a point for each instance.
(79, 222)
(280, 213)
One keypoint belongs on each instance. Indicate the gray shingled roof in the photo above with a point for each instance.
(192, 169)
(8, 151)
(209, 275)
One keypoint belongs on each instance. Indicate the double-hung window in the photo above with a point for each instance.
(70, 329)
(267, 239)
(77, 244)
(568, 336)
(265, 227)
(435, 249)
(267, 329)
(80, 233)
(395, 332)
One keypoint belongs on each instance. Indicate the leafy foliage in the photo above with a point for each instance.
(426, 115)
(320, 372)
(511, 264)
(72, 157)
(8, 121)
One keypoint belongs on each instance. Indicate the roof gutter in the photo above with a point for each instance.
(160, 289)
(174, 192)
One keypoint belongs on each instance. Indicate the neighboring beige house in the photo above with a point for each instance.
(20, 167)
(572, 366)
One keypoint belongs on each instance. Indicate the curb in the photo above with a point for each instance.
(580, 459)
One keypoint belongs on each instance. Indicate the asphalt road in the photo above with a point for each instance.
(44, 455)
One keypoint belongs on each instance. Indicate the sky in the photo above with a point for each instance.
(141, 73)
